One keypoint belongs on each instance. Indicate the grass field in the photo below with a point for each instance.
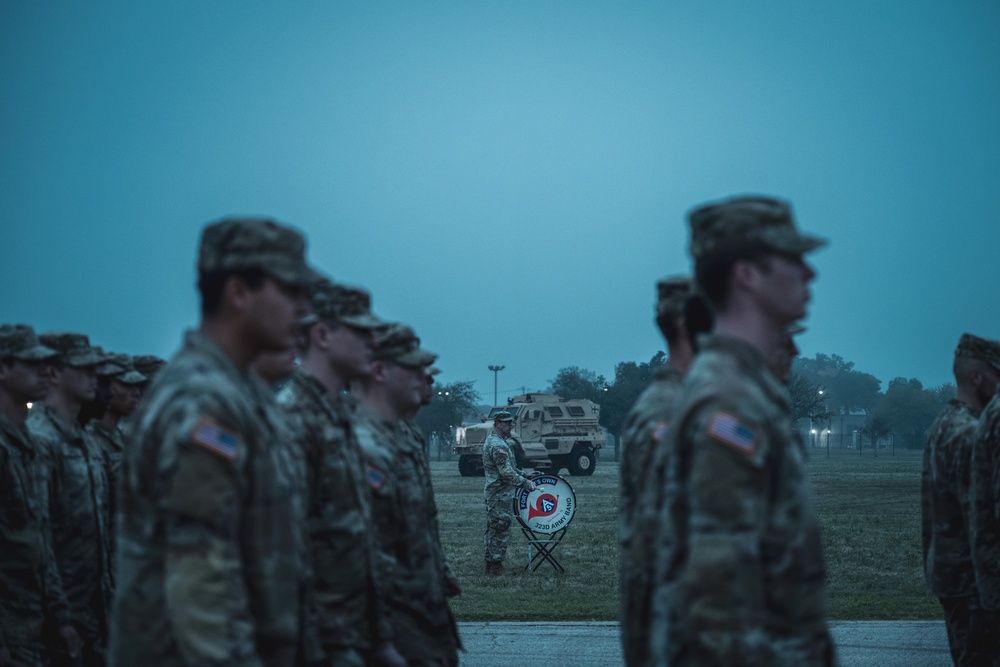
(869, 508)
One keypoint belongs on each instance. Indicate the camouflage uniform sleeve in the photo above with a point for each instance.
(505, 466)
(926, 493)
(986, 507)
(383, 486)
(55, 597)
(206, 596)
(724, 576)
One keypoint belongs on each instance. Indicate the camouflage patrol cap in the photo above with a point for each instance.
(344, 304)
(503, 416)
(20, 342)
(119, 366)
(743, 224)
(234, 244)
(148, 364)
(981, 349)
(399, 344)
(671, 295)
(72, 348)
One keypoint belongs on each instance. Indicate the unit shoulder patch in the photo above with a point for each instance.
(730, 431)
(209, 434)
(376, 478)
(659, 432)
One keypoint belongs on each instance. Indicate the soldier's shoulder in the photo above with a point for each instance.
(294, 392)
(990, 418)
(39, 423)
(373, 441)
(195, 402)
(659, 394)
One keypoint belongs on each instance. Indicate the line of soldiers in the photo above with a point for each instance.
(721, 556)
(960, 505)
(274, 503)
(58, 464)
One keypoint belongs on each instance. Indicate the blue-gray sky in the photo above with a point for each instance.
(509, 178)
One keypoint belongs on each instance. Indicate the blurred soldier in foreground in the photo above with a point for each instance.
(403, 501)
(78, 491)
(738, 571)
(961, 505)
(503, 479)
(30, 589)
(209, 570)
(644, 426)
(945, 503)
(347, 604)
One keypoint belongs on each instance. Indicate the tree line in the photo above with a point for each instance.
(820, 389)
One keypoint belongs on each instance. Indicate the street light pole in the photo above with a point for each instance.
(496, 370)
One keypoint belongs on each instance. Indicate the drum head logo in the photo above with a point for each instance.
(547, 509)
(545, 505)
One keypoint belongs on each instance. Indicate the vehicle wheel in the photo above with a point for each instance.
(581, 461)
(467, 466)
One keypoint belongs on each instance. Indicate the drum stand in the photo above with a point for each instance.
(544, 544)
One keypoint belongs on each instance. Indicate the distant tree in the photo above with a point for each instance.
(874, 429)
(941, 395)
(807, 400)
(909, 410)
(450, 405)
(576, 382)
(631, 379)
(846, 390)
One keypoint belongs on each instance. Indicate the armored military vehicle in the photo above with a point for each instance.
(550, 433)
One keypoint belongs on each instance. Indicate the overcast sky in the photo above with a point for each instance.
(508, 178)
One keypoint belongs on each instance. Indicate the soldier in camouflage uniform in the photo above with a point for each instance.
(30, 589)
(945, 504)
(119, 392)
(347, 606)
(209, 569)
(984, 503)
(403, 501)
(644, 426)
(503, 479)
(78, 490)
(738, 566)
(784, 356)
(148, 365)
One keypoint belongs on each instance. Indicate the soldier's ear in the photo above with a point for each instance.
(236, 294)
(54, 373)
(319, 336)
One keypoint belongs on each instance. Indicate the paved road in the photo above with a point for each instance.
(859, 644)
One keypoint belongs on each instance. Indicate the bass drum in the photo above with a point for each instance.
(549, 508)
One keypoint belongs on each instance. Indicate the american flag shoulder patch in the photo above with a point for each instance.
(211, 436)
(376, 478)
(730, 431)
